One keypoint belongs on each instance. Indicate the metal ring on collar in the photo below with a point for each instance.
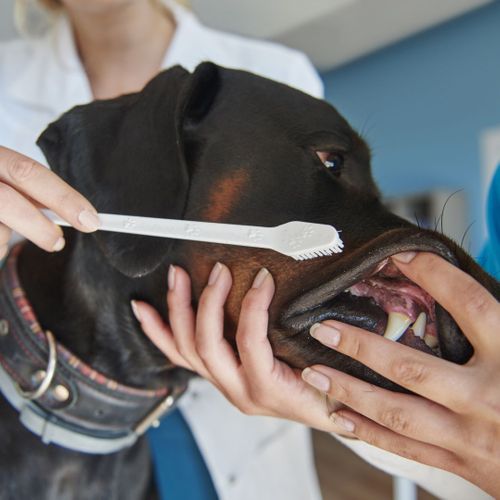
(49, 372)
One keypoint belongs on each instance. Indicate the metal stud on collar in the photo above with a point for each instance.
(46, 375)
(4, 327)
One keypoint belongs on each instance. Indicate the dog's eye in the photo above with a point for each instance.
(331, 160)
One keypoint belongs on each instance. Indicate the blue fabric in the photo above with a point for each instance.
(490, 255)
(181, 473)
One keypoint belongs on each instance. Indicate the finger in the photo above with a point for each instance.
(474, 309)
(158, 332)
(381, 437)
(36, 181)
(434, 378)
(405, 414)
(20, 215)
(271, 384)
(182, 319)
(254, 348)
(217, 354)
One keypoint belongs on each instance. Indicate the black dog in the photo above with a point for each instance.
(216, 145)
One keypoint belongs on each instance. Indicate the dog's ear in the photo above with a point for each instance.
(200, 93)
(126, 156)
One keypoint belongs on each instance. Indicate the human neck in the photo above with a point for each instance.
(122, 49)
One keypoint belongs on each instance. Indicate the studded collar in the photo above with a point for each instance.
(58, 396)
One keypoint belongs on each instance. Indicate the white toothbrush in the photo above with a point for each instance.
(300, 240)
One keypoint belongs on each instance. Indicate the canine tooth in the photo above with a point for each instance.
(397, 324)
(380, 266)
(431, 341)
(419, 325)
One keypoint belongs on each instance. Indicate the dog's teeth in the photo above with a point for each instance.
(431, 341)
(397, 324)
(419, 325)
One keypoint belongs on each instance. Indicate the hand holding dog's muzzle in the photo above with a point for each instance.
(453, 420)
(254, 380)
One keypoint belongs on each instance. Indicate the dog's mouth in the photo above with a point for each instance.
(395, 307)
(376, 296)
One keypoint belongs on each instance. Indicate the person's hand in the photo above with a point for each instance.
(25, 187)
(453, 421)
(255, 382)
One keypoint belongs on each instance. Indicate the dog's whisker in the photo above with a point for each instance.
(445, 204)
(417, 220)
(465, 235)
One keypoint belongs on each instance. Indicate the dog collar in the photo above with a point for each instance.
(58, 396)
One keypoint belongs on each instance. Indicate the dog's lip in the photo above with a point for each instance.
(359, 265)
(312, 306)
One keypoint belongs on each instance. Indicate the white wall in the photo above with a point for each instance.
(7, 29)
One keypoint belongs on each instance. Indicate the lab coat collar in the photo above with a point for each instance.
(55, 79)
(187, 47)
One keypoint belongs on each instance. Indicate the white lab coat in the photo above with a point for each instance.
(248, 457)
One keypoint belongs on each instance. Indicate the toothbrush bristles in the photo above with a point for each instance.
(321, 252)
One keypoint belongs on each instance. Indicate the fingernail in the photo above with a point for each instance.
(316, 379)
(135, 310)
(343, 422)
(326, 334)
(89, 219)
(59, 244)
(171, 277)
(404, 257)
(214, 274)
(259, 279)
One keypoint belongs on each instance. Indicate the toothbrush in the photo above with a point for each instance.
(299, 240)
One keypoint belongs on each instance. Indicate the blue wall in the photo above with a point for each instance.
(422, 104)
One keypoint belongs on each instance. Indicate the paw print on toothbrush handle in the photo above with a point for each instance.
(255, 235)
(192, 230)
(129, 223)
(298, 239)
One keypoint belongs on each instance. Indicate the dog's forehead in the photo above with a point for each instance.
(251, 97)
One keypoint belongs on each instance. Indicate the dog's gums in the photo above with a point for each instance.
(410, 311)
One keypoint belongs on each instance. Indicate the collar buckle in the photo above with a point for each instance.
(46, 375)
(152, 419)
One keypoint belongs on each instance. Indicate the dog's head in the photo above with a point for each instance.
(227, 146)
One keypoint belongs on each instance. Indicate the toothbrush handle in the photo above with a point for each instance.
(231, 234)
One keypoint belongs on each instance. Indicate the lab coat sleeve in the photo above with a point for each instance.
(440, 483)
(303, 76)
(250, 457)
